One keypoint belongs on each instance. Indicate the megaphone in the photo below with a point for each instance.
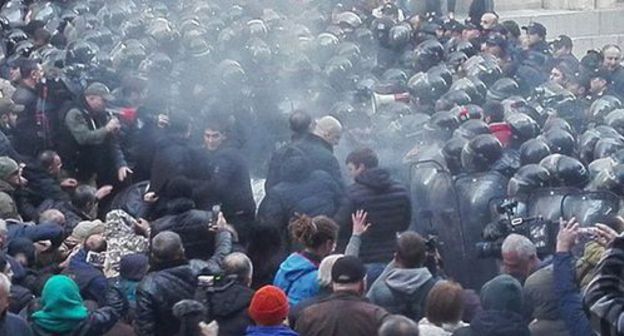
(378, 99)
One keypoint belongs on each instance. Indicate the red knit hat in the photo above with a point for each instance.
(269, 306)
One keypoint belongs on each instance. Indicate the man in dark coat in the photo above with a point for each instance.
(312, 193)
(345, 312)
(226, 181)
(300, 123)
(318, 147)
(227, 299)
(612, 64)
(170, 280)
(88, 144)
(29, 130)
(386, 202)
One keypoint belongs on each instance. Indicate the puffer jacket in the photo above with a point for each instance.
(387, 203)
(297, 278)
(156, 294)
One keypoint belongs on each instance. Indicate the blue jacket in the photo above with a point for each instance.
(270, 331)
(297, 278)
(91, 281)
(570, 299)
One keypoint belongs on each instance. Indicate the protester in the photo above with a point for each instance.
(398, 325)
(444, 309)
(269, 309)
(403, 286)
(345, 311)
(63, 312)
(297, 274)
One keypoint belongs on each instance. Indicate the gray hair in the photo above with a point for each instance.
(238, 264)
(398, 325)
(167, 245)
(324, 271)
(519, 245)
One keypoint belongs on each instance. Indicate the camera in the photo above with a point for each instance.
(540, 231)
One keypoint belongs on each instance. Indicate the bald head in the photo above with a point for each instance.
(489, 20)
(329, 128)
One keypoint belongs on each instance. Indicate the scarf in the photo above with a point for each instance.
(63, 309)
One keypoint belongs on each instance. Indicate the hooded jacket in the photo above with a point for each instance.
(388, 205)
(297, 278)
(402, 290)
(502, 302)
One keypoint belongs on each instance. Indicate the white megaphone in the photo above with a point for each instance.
(378, 99)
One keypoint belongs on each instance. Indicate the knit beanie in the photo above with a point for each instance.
(269, 306)
(503, 293)
(133, 266)
(8, 166)
(86, 228)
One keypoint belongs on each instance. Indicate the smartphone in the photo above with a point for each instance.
(216, 209)
(588, 233)
(96, 259)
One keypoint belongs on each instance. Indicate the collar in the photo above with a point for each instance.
(163, 265)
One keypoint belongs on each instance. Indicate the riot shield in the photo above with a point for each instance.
(435, 211)
(546, 203)
(476, 194)
(589, 207)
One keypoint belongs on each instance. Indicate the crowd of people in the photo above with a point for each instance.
(235, 167)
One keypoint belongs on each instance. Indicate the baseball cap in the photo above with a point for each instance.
(8, 106)
(561, 41)
(535, 28)
(348, 269)
(99, 89)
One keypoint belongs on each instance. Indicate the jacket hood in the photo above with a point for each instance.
(270, 331)
(407, 280)
(375, 178)
(295, 266)
(499, 323)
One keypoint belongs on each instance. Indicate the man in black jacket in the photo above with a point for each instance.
(29, 131)
(170, 280)
(386, 201)
(226, 181)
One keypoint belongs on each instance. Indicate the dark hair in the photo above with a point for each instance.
(46, 158)
(411, 249)
(364, 156)
(512, 27)
(445, 303)
(494, 110)
(300, 122)
(27, 66)
(313, 232)
(83, 196)
(217, 123)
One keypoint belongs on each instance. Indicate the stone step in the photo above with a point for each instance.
(589, 29)
(573, 23)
